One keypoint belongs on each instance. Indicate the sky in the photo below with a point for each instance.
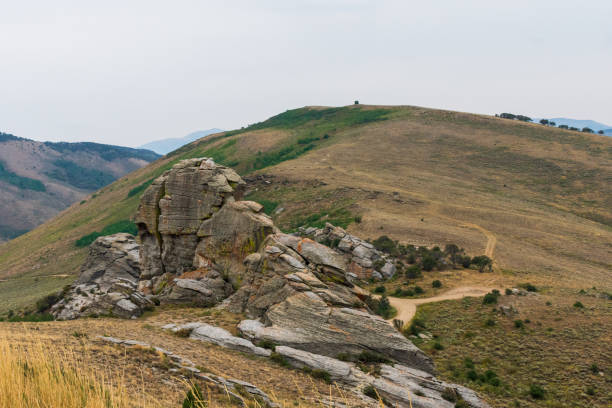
(129, 72)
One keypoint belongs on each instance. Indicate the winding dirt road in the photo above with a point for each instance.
(406, 308)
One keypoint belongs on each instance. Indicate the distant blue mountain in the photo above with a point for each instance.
(166, 146)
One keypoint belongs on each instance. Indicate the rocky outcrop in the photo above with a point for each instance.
(189, 220)
(107, 284)
(400, 385)
(201, 245)
(362, 259)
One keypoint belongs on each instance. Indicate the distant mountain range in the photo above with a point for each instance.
(577, 123)
(165, 146)
(39, 179)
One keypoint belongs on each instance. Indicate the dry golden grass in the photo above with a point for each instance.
(33, 373)
(140, 372)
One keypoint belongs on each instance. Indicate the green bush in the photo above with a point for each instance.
(489, 298)
(279, 359)
(438, 346)
(537, 392)
(380, 289)
(508, 291)
(462, 404)
(418, 290)
(45, 303)
(490, 322)
(528, 287)
(518, 324)
(370, 391)
(119, 226)
(413, 272)
(436, 284)
(386, 244)
(428, 263)
(472, 375)
(578, 305)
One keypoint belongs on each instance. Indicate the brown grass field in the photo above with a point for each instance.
(536, 199)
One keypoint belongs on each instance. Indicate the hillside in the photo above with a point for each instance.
(165, 146)
(536, 199)
(38, 180)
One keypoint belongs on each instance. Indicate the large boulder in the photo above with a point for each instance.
(173, 209)
(107, 284)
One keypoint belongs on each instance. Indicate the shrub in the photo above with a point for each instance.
(536, 391)
(468, 363)
(194, 398)
(386, 244)
(594, 368)
(490, 298)
(318, 373)
(436, 284)
(438, 346)
(358, 219)
(449, 394)
(279, 359)
(418, 290)
(416, 326)
(428, 263)
(267, 344)
(518, 324)
(384, 308)
(578, 305)
(482, 262)
(490, 322)
(45, 303)
(413, 272)
(508, 291)
(590, 391)
(528, 287)
(370, 391)
(380, 289)
(371, 357)
(472, 375)
(462, 404)
(466, 261)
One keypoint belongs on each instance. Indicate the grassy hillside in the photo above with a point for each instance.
(536, 199)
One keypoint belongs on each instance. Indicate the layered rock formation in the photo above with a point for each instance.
(201, 245)
(107, 285)
(363, 260)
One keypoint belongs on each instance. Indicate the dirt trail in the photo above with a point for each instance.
(406, 308)
(491, 239)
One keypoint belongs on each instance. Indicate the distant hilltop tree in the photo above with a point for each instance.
(512, 116)
(574, 128)
(356, 102)
(601, 132)
(544, 121)
(587, 130)
(563, 127)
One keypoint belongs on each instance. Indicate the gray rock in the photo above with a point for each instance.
(337, 369)
(223, 338)
(388, 270)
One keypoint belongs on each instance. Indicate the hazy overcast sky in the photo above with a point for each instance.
(127, 72)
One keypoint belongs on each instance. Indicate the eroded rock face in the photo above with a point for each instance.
(108, 282)
(173, 209)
